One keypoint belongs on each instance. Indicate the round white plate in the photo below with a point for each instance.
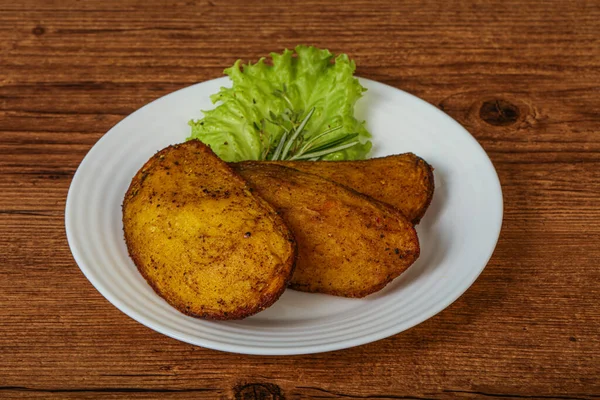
(457, 235)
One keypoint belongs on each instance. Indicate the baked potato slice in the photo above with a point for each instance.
(200, 237)
(404, 181)
(348, 244)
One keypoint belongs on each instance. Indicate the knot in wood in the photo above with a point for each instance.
(499, 112)
(38, 30)
(258, 391)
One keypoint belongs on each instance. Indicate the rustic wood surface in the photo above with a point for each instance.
(522, 76)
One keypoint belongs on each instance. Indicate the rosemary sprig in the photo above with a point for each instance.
(293, 144)
(294, 139)
(318, 154)
(275, 156)
(313, 140)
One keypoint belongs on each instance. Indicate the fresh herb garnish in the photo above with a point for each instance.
(298, 107)
(296, 143)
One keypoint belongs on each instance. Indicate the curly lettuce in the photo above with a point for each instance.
(301, 101)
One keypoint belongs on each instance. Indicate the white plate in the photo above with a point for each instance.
(457, 235)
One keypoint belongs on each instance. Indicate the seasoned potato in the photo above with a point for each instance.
(205, 243)
(348, 244)
(404, 181)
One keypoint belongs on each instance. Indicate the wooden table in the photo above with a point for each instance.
(523, 77)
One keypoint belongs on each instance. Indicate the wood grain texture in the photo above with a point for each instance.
(522, 76)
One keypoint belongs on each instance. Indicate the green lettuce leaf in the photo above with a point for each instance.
(268, 99)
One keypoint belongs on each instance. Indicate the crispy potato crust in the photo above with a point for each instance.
(404, 181)
(200, 237)
(348, 244)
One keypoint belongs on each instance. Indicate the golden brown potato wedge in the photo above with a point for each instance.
(404, 181)
(348, 244)
(205, 243)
